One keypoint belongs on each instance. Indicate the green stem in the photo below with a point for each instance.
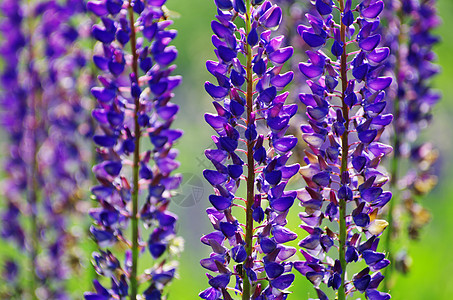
(246, 288)
(135, 171)
(32, 183)
(92, 70)
(34, 232)
(344, 160)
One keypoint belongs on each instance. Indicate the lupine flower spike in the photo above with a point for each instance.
(15, 184)
(345, 121)
(252, 150)
(42, 125)
(410, 38)
(133, 104)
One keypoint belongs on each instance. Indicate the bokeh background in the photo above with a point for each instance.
(431, 275)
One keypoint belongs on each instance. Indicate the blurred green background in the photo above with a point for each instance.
(431, 275)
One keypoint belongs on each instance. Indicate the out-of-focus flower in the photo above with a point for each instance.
(409, 35)
(42, 111)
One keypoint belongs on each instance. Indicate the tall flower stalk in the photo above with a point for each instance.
(410, 38)
(44, 141)
(251, 148)
(133, 103)
(13, 123)
(344, 180)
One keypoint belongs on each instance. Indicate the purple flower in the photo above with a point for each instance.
(133, 104)
(13, 122)
(251, 148)
(410, 38)
(345, 121)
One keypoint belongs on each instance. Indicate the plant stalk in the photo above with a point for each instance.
(246, 285)
(135, 171)
(344, 159)
(32, 174)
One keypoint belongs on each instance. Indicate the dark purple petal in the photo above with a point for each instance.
(235, 171)
(283, 235)
(252, 38)
(216, 235)
(345, 193)
(105, 140)
(376, 295)
(324, 7)
(369, 43)
(211, 293)
(372, 257)
(313, 40)
(273, 177)
(216, 92)
(351, 254)
(380, 83)
(310, 70)
(267, 245)
(228, 229)
(226, 54)
(283, 282)
(280, 56)
(373, 10)
(224, 5)
(220, 281)
(359, 163)
(361, 284)
(282, 204)
(238, 253)
(272, 18)
(98, 8)
(378, 55)
(214, 177)
(322, 179)
(371, 194)
(156, 249)
(361, 219)
(360, 72)
(337, 48)
(367, 136)
(282, 80)
(219, 202)
(348, 18)
(274, 270)
(103, 94)
(285, 144)
(239, 6)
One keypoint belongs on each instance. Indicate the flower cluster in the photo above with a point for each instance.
(42, 125)
(61, 155)
(413, 97)
(251, 148)
(134, 103)
(13, 122)
(345, 121)
(410, 39)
